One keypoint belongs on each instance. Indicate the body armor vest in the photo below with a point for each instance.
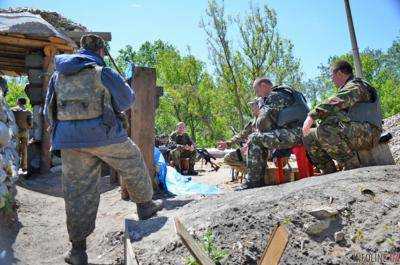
(296, 113)
(81, 96)
(367, 111)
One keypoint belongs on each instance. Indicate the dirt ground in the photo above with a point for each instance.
(41, 236)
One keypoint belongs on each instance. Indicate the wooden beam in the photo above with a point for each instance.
(130, 257)
(12, 61)
(48, 66)
(195, 249)
(275, 247)
(143, 116)
(76, 35)
(8, 40)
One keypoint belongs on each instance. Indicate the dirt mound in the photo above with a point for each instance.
(54, 18)
(365, 203)
(392, 125)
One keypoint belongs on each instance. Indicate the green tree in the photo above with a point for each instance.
(257, 51)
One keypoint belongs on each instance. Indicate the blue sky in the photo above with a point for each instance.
(317, 28)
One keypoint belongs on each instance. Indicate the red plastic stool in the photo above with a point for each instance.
(303, 164)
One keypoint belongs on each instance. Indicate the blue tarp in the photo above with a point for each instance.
(175, 183)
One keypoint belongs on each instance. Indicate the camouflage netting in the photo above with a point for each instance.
(9, 159)
(53, 18)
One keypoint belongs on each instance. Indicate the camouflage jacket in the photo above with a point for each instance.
(242, 136)
(336, 106)
(180, 140)
(272, 104)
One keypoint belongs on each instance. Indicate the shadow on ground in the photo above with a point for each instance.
(50, 184)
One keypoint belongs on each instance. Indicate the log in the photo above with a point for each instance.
(48, 66)
(195, 249)
(143, 116)
(23, 42)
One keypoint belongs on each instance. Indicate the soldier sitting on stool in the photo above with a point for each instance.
(185, 148)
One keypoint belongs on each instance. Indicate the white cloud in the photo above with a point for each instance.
(136, 5)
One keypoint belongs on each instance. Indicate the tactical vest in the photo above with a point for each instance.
(367, 111)
(21, 118)
(81, 96)
(296, 113)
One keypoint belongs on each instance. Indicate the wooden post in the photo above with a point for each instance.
(143, 115)
(356, 54)
(48, 68)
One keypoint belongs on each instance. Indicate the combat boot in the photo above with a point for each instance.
(351, 163)
(328, 168)
(148, 209)
(77, 255)
(124, 194)
(248, 185)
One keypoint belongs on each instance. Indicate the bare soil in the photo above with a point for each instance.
(40, 235)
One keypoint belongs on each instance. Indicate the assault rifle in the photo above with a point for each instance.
(204, 154)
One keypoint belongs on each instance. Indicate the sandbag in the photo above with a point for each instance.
(34, 60)
(35, 76)
(5, 134)
(35, 94)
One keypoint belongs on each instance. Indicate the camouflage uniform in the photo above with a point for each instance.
(23, 134)
(237, 157)
(81, 106)
(178, 153)
(336, 136)
(81, 173)
(270, 136)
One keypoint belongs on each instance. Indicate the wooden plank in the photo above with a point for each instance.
(9, 40)
(275, 247)
(12, 61)
(142, 120)
(76, 35)
(130, 257)
(195, 249)
(380, 155)
(48, 67)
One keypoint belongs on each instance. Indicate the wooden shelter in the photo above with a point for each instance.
(28, 44)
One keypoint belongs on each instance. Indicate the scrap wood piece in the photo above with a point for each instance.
(276, 246)
(195, 249)
(130, 257)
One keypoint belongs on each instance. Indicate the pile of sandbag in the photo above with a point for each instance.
(9, 160)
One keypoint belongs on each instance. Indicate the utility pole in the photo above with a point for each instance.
(356, 54)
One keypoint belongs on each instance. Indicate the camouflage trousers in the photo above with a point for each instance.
(234, 159)
(260, 146)
(177, 154)
(81, 170)
(22, 138)
(333, 139)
